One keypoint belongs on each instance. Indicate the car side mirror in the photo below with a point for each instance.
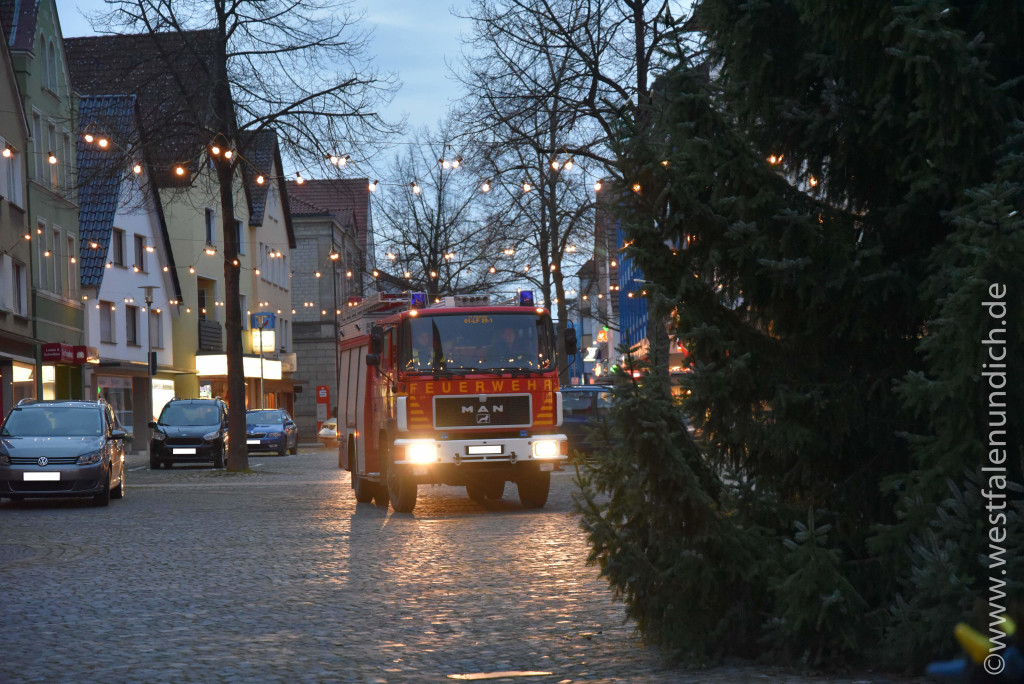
(570, 341)
(376, 339)
(118, 434)
(373, 359)
(152, 424)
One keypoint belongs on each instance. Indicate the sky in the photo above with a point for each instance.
(410, 37)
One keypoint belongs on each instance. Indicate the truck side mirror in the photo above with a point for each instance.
(373, 359)
(376, 341)
(570, 341)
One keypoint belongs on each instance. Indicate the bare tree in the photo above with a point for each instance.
(441, 233)
(297, 66)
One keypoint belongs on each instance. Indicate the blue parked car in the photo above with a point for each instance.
(271, 430)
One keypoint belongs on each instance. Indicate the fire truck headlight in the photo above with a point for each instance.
(545, 448)
(422, 452)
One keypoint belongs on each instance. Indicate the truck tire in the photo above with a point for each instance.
(363, 488)
(401, 488)
(533, 488)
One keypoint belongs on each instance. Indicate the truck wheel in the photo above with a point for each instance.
(363, 488)
(533, 489)
(401, 488)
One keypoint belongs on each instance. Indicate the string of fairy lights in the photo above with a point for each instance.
(93, 135)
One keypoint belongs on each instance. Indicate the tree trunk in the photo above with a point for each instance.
(238, 453)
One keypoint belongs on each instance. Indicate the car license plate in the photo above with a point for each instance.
(42, 477)
(189, 450)
(252, 441)
(545, 467)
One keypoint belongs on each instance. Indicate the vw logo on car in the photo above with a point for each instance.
(43, 460)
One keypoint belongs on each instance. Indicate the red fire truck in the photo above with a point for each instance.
(463, 392)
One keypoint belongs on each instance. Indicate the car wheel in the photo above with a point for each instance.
(103, 498)
(154, 463)
(533, 489)
(295, 449)
(118, 492)
(218, 458)
(401, 487)
(166, 465)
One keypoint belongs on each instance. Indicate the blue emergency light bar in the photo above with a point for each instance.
(526, 298)
(418, 300)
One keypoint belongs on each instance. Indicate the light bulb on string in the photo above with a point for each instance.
(260, 180)
(8, 151)
(567, 166)
(137, 169)
(299, 180)
(597, 186)
(373, 186)
(51, 158)
(527, 187)
(103, 142)
(89, 138)
(415, 188)
(486, 187)
(179, 170)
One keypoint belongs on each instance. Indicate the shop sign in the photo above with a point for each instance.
(57, 352)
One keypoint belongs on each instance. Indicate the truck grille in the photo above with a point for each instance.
(482, 411)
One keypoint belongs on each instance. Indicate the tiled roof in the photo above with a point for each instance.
(19, 22)
(347, 199)
(100, 175)
(262, 154)
(170, 73)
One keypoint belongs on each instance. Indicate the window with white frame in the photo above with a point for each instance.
(140, 253)
(51, 66)
(57, 256)
(10, 175)
(67, 177)
(52, 149)
(211, 231)
(107, 312)
(131, 325)
(117, 245)
(156, 329)
(19, 283)
(243, 304)
(70, 283)
(38, 143)
(240, 230)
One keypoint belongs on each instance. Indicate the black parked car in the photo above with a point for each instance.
(271, 430)
(582, 404)
(62, 448)
(189, 431)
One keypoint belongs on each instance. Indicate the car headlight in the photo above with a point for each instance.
(422, 452)
(210, 436)
(90, 458)
(545, 448)
(159, 436)
(274, 434)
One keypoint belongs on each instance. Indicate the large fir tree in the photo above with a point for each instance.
(824, 198)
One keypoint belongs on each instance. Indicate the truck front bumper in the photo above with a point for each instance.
(538, 449)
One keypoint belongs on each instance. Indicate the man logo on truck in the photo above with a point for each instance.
(482, 415)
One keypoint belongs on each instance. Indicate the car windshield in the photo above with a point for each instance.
(55, 421)
(476, 342)
(190, 414)
(576, 403)
(263, 417)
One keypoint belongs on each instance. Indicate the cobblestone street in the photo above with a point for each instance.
(202, 575)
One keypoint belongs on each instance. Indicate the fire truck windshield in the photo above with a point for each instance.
(476, 343)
